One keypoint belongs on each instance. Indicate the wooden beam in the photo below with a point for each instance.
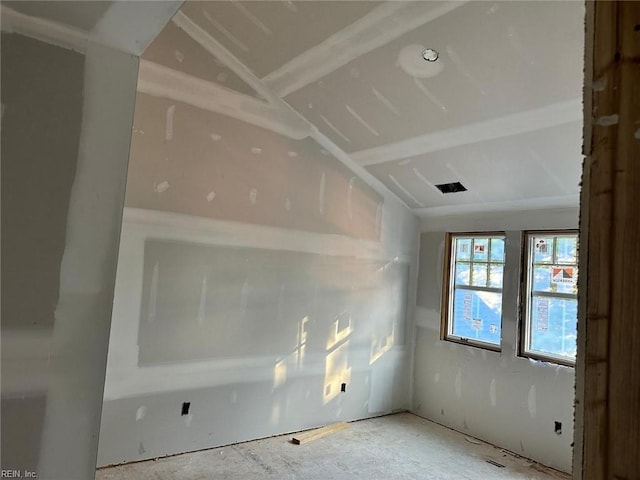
(317, 433)
(608, 365)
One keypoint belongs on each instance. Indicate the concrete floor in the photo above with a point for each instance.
(401, 446)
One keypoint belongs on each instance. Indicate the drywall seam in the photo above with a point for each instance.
(127, 27)
(226, 57)
(545, 117)
(124, 381)
(346, 159)
(64, 36)
(189, 228)
(379, 27)
(88, 268)
(530, 219)
(131, 26)
(160, 81)
(220, 52)
(506, 206)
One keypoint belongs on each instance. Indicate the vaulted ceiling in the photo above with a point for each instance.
(499, 111)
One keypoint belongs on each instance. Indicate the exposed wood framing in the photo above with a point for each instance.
(608, 395)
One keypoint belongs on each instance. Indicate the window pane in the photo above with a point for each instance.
(495, 276)
(551, 320)
(463, 249)
(542, 279)
(543, 249)
(479, 277)
(553, 327)
(566, 249)
(497, 250)
(480, 249)
(463, 272)
(476, 315)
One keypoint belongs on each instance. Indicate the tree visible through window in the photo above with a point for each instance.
(472, 303)
(551, 307)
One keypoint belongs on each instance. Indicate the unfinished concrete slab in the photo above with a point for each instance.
(401, 446)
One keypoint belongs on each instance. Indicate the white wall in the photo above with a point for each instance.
(53, 365)
(345, 296)
(504, 399)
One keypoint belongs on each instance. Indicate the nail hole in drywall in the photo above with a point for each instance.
(557, 427)
(343, 387)
(185, 408)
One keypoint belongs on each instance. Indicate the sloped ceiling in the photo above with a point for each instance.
(500, 111)
(503, 115)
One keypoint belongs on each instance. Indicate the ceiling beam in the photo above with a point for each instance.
(131, 26)
(128, 27)
(377, 28)
(54, 33)
(545, 117)
(219, 51)
(161, 81)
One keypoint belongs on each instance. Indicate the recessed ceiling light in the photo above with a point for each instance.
(419, 61)
(430, 55)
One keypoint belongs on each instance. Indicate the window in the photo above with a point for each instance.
(472, 297)
(549, 329)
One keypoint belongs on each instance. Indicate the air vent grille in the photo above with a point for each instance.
(451, 187)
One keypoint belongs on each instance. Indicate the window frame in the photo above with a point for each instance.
(526, 295)
(448, 287)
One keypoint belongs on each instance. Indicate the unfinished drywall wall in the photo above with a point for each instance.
(39, 157)
(510, 401)
(66, 120)
(257, 274)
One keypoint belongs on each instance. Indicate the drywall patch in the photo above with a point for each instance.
(211, 196)
(215, 137)
(427, 93)
(153, 294)
(458, 383)
(335, 129)
(141, 412)
(287, 204)
(256, 150)
(362, 121)
(492, 392)
(141, 449)
(436, 377)
(350, 198)
(637, 134)
(531, 401)
(187, 419)
(179, 56)
(253, 195)
(203, 300)
(168, 133)
(292, 154)
(161, 187)
(385, 101)
(321, 194)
